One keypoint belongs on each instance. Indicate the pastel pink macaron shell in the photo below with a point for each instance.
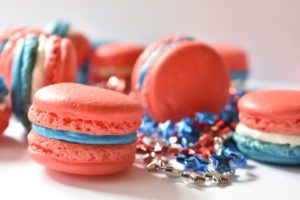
(275, 111)
(80, 159)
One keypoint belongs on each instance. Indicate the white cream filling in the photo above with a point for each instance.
(38, 70)
(276, 138)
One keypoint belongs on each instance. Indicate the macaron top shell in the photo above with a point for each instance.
(116, 54)
(187, 77)
(276, 111)
(98, 111)
(233, 57)
(272, 104)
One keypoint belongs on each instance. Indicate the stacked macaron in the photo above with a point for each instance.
(269, 127)
(4, 108)
(31, 60)
(83, 129)
(113, 59)
(80, 41)
(178, 76)
(236, 60)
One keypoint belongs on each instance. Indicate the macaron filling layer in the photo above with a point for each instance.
(3, 89)
(59, 28)
(22, 66)
(2, 44)
(238, 75)
(154, 55)
(82, 138)
(268, 152)
(275, 138)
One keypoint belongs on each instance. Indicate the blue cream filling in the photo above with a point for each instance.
(155, 54)
(58, 27)
(3, 89)
(2, 44)
(82, 138)
(22, 66)
(238, 75)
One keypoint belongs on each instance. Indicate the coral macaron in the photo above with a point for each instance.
(113, 59)
(178, 76)
(31, 61)
(269, 127)
(82, 129)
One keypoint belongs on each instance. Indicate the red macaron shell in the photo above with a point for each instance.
(275, 111)
(234, 58)
(5, 114)
(7, 54)
(116, 54)
(82, 46)
(80, 159)
(187, 78)
(144, 56)
(120, 56)
(85, 109)
(60, 61)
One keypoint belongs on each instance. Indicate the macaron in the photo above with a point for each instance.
(33, 61)
(80, 42)
(269, 129)
(236, 60)
(8, 40)
(5, 111)
(113, 59)
(178, 76)
(82, 129)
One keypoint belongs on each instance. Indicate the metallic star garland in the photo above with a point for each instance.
(202, 145)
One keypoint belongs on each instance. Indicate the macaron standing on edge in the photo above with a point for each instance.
(31, 61)
(178, 76)
(269, 128)
(81, 44)
(81, 129)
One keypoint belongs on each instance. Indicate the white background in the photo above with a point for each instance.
(268, 29)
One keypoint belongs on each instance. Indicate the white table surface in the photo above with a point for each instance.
(21, 178)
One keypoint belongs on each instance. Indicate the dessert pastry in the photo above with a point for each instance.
(83, 129)
(31, 61)
(269, 127)
(178, 76)
(113, 60)
(80, 42)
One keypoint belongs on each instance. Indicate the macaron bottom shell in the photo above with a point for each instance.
(79, 168)
(268, 152)
(4, 119)
(80, 159)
